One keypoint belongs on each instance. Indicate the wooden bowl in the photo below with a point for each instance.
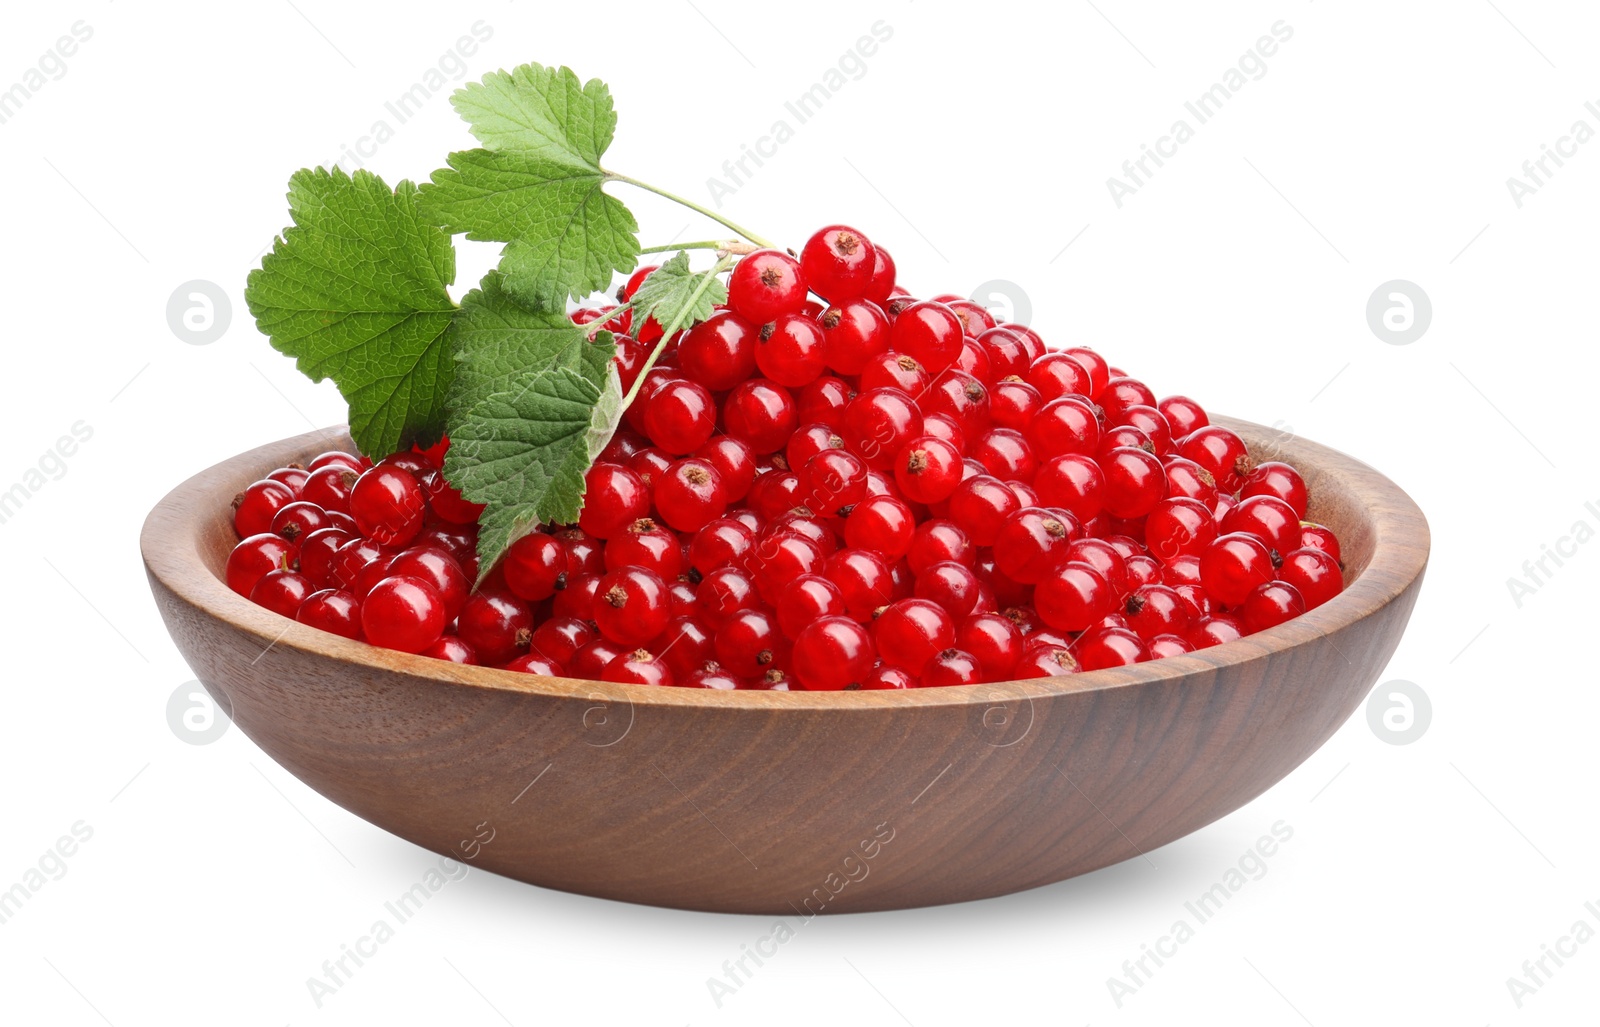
(790, 802)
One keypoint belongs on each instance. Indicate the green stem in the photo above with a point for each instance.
(708, 244)
(677, 322)
(713, 215)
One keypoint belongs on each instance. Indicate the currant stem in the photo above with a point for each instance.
(720, 245)
(705, 244)
(697, 208)
(677, 322)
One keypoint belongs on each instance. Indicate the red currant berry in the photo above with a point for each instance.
(1312, 536)
(1095, 364)
(590, 662)
(1183, 415)
(1005, 454)
(689, 496)
(863, 580)
(853, 333)
(1187, 478)
(1073, 596)
(535, 566)
(979, 505)
(255, 507)
(578, 598)
(613, 498)
(734, 463)
(317, 551)
(680, 417)
(1119, 394)
(975, 320)
(909, 632)
(766, 284)
(973, 361)
(1030, 543)
(1045, 662)
(936, 541)
(1014, 404)
(403, 613)
(774, 493)
(723, 593)
(929, 332)
(1152, 610)
(951, 667)
(748, 644)
(332, 609)
(892, 370)
(453, 650)
(255, 557)
(435, 566)
(1214, 630)
(789, 350)
(1220, 452)
(719, 352)
(559, 639)
(1066, 425)
(780, 557)
(951, 585)
(536, 663)
(928, 469)
(1269, 605)
(1269, 519)
(994, 641)
(1178, 527)
(824, 402)
(878, 424)
(1134, 482)
(804, 600)
(637, 667)
(831, 480)
(685, 646)
(1055, 375)
(1279, 480)
(963, 398)
(761, 414)
(388, 505)
(882, 524)
(884, 676)
(299, 519)
(649, 464)
(329, 487)
(722, 542)
(1007, 353)
(833, 653)
(1163, 646)
(497, 625)
(837, 263)
(1112, 647)
(631, 606)
(1233, 565)
(1072, 482)
(1314, 573)
(282, 591)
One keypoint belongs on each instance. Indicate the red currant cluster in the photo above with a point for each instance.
(880, 492)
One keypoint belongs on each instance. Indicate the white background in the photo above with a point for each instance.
(976, 147)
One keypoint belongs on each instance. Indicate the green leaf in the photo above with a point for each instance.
(541, 112)
(497, 338)
(357, 291)
(564, 235)
(523, 452)
(675, 295)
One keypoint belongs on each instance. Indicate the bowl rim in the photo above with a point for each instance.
(170, 542)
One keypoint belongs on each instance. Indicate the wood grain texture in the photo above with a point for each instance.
(785, 803)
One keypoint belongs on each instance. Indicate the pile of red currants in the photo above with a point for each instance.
(866, 491)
